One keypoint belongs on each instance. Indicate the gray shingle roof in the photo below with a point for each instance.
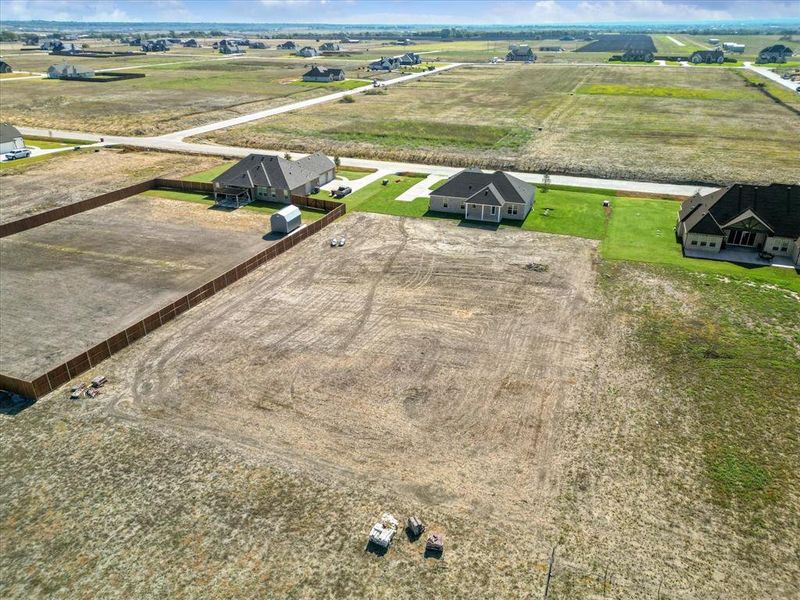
(777, 205)
(500, 187)
(324, 72)
(274, 171)
(8, 133)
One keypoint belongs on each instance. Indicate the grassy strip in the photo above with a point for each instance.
(352, 174)
(12, 167)
(687, 93)
(733, 363)
(209, 174)
(56, 142)
(266, 208)
(347, 84)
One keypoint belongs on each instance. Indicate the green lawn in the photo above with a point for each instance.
(211, 173)
(261, 207)
(353, 175)
(347, 84)
(686, 93)
(49, 143)
(568, 212)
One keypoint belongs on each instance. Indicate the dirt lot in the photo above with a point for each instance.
(67, 285)
(650, 123)
(245, 448)
(30, 188)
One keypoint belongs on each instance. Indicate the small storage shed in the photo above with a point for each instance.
(286, 219)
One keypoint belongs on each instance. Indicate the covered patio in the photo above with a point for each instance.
(742, 256)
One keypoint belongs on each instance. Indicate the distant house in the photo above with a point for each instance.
(272, 178)
(5, 67)
(51, 44)
(258, 45)
(566, 38)
(520, 53)
(324, 74)
(10, 138)
(404, 42)
(349, 41)
(483, 196)
(229, 47)
(774, 54)
(713, 41)
(551, 49)
(135, 42)
(290, 45)
(155, 46)
(385, 63)
(192, 43)
(69, 71)
(409, 58)
(329, 47)
(707, 56)
(307, 51)
(733, 47)
(637, 55)
(743, 217)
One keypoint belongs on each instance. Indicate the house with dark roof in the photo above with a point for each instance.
(638, 55)
(329, 47)
(324, 74)
(307, 51)
(229, 47)
(290, 45)
(774, 54)
(758, 219)
(707, 56)
(69, 71)
(10, 138)
(5, 67)
(386, 63)
(480, 196)
(520, 53)
(409, 58)
(272, 178)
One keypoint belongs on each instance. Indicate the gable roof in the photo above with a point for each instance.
(496, 188)
(777, 49)
(8, 133)
(268, 170)
(777, 206)
(317, 71)
(520, 50)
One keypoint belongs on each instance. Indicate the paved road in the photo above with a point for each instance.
(764, 72)
(271, 112)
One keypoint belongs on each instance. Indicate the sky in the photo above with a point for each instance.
(433, 12)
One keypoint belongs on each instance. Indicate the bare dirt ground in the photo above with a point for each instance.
(245, 448)
(67, 285)
(69, 177)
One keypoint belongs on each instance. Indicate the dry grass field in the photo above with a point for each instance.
(67, 285)
(31, 187)
(245, 448)
(631, 122)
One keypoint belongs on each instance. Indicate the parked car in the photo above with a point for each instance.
(342, 191)
(15, 154)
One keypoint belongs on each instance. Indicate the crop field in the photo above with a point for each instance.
(31, 187)
(177, 95)
(654, 123)
(576, 404)
(67, 285)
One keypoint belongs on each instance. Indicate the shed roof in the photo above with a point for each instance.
(288, 212)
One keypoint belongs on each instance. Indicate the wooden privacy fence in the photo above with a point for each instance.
(88, 359)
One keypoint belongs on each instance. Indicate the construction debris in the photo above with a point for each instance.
(435, 543)
(383, 531)
(415, 526)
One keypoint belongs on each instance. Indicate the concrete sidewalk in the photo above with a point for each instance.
(421, 189)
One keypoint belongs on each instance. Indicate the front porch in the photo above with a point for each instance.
(482, 212)
(742, 256)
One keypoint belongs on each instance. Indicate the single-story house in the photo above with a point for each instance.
(409, 58)
(272, 178)
(324, 74)
(760, 218)
(774, 54)
(155, 46)
(229, 47)
(329, 47)
(349, 41)
(707, 56)
(307, 51)
(638, 55)
(404, 42)
(290, 45)
(483, 196)
(520, 53)
(51, 44)
(69, 71)
(192, 43)
(5, 67)
(10, 138)
(258, 46)
(385, 63)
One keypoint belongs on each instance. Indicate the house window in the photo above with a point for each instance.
(784, 248)
(702, 243)
(513, 209)
(444, 204)
(774, 248)
(493, 209)
(694, 242)
(712, 244)
(462, 206)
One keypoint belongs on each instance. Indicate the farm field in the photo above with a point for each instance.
(614, 438)
(170, 97)
(68, 285)
(28, 187)
(651, 123)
